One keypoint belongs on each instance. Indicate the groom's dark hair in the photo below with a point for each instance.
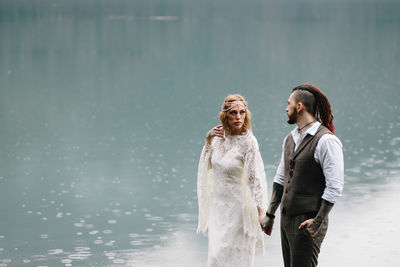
(316, 103)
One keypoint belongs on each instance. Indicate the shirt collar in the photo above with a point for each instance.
(312, 130)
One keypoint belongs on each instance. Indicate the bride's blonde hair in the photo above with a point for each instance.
(226, 106)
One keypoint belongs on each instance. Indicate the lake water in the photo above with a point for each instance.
(104, 106)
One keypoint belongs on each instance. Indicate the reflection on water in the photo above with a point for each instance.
(104, 107)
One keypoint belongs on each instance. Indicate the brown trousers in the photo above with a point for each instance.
(298, 247)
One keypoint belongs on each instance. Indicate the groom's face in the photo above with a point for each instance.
(291, 110)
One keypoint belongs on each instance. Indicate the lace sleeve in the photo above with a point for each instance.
(205, 188)
(256, 175)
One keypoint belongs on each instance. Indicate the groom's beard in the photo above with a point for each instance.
(292, 118)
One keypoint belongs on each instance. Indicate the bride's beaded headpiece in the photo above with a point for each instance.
(232, 104)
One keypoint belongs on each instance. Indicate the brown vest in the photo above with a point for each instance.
(304, 178)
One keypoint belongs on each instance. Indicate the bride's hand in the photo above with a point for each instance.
(261, 214)
(260, 218)
(216, 131)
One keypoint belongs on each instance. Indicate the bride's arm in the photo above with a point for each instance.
(205, 180)
(257, 179)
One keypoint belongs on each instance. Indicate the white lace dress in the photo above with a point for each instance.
(231, 184)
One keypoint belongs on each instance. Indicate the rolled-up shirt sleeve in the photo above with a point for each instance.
(280, 171)
(329, 155)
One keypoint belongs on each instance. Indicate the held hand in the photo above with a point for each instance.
(312, 227)
(216, 131)
(267, 224)
(260, 216)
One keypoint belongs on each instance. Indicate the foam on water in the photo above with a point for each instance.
(365, 234)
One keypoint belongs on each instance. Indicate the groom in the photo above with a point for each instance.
(309, 178)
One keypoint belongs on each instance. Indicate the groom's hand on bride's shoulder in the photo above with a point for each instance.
(267, 224)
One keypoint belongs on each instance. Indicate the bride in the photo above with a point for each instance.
(231, 188)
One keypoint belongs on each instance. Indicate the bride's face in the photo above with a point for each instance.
(236, 116)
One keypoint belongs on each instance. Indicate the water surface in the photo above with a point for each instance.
(104, 107)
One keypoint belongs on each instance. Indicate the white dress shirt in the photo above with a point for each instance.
(328, 154)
